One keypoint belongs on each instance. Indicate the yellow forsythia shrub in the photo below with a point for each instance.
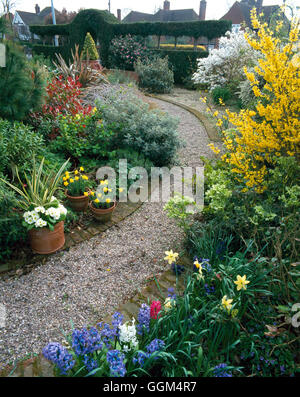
(273, 129)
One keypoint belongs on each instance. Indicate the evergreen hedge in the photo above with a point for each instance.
(183, 63)
(104, 26)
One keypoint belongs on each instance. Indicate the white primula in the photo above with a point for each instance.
(127, 336)
(54, 213)
(40, 223)
(225, 64)
(28, 218)
(62, 209)
(40, 210)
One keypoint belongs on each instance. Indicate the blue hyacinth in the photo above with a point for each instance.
(116, 364)
(143, 319)
(177, 269)
(155, 346)
(171, 293)
(86, 341)
(90, 363)
(59, 356)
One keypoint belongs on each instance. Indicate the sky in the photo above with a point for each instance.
(215, 8)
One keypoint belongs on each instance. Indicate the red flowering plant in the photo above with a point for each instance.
(62, 99)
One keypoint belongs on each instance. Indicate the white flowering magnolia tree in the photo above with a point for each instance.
(224, 66)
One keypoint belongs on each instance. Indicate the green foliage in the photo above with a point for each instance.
(38, 187)
(21, 85)
(181, 209)
(89, 48)
(223, 93)
(155, 75)
(149, 132)
(18, 145)
(11, 229)
(183, 63)
(104, 26)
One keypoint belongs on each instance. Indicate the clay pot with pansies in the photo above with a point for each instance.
(79, 203)
(102, 215)
(76, 190)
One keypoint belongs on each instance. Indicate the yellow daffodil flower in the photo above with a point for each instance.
(105, 189)
(171, 256)
(86, 194)
(92, 193)
(76, 172)
(71, 180)
(81, 169)
(76, 178)
(66, 183)
(226, 303)
(97, 201)
(84, 177)
(108, 200)
(241, 282)
(121, 190)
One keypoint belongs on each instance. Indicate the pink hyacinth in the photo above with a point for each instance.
(155, 309)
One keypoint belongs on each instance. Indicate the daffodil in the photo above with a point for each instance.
(76, 172)
(226, 303)
(121, 190)
(86, 194)
(241, 282)
(105, 189)
(76, 178)
(66, 183)
(171, 256)
(71, 180)
(85, 177)
(108, 200)
(97, 201)
(81, 169)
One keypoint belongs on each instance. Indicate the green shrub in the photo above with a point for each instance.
(222, 93)
(183, 63)
(155, 75)
(89, 48)
(18, 145)
(135, 126)
(21, 85)
(11, 230)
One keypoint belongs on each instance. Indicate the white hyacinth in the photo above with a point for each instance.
(127, 336)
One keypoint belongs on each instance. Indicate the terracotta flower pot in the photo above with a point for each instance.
(102, 215)
(79, 203)
(44, 241)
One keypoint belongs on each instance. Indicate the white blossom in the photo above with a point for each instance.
(225, 64)
(127, 336)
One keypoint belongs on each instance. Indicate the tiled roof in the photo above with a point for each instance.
(162, 16)
(240, 12)
(31, 18)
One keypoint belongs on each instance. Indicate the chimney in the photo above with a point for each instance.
(37, 9)
(202, 12)
(166, 6)
(119, 14)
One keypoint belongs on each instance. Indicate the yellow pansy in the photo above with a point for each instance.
(241, 282)
(171, 256)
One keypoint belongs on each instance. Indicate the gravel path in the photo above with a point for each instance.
(95, 277)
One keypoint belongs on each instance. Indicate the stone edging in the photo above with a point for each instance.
(211, 132)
